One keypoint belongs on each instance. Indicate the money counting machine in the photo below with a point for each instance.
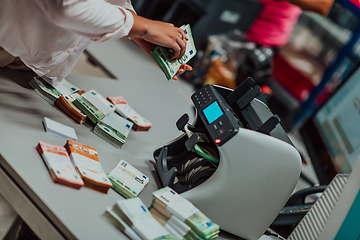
(234, 162)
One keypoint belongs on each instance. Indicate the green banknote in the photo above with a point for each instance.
(114, 129)
(171, 66)
(45, 90)
(93, 113)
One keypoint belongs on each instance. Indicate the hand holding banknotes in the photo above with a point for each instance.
(147, 47)
(149, 33)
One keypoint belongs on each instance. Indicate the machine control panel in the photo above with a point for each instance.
(216, 114)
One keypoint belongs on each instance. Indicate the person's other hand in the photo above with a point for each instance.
(184, 67)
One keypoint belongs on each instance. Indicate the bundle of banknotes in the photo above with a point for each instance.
(88, 166)
(109, 125)
(114, 129)
(171, 66)
(95, 106)
(45, 90)
(127, 180)
(61, 95)
(120, 224)
(135, 215)
(167, 204)
(65, 103)
(59, 165)
(126, 111)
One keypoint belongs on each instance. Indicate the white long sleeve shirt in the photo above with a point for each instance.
(50, 35)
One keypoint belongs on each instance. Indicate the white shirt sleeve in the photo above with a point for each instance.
(95, 19)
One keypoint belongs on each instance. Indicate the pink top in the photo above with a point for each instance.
(275, 23)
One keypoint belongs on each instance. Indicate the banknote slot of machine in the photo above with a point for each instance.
(234, 162)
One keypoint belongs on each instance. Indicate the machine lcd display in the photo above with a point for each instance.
(213, 112)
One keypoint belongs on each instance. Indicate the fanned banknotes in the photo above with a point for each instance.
(168, 202)
(127, 180)
(136, 215)
(114, 129)
(95, 106)
(88, 165)
(59, 164)
(125, 110)
(171, 66)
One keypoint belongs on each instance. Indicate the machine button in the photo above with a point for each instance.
(215, 127)
(220, 123)
(217, 140)
(221, 131)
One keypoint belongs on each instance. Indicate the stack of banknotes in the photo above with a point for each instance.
(88, 166)
(170, 207)
(62, 96)
(135, 215)
(109, 125)
(127, 180)
(81, 105)
(65, 103)
(59, 165)
(45, 90)
(114, 129)
(171, 66)
(120, 224)
(95, 106)
(125, 110)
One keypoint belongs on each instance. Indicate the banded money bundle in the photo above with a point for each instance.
(62, 95)
(127, 180)
(65, 103)
(45, 90)
(169, 203)
(95, 106)
(114, 129)
(87, 163)
(120, 224)
(136, 215)
(59, 165)
(174, 226)
(126, 111)
(171, 66)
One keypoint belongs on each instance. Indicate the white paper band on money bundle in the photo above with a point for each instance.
(166, 195)
(89, 167)
(173, 232)
(178, 225)
(129, 175)
(149, 229)
(182, 208)
(126, 229)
